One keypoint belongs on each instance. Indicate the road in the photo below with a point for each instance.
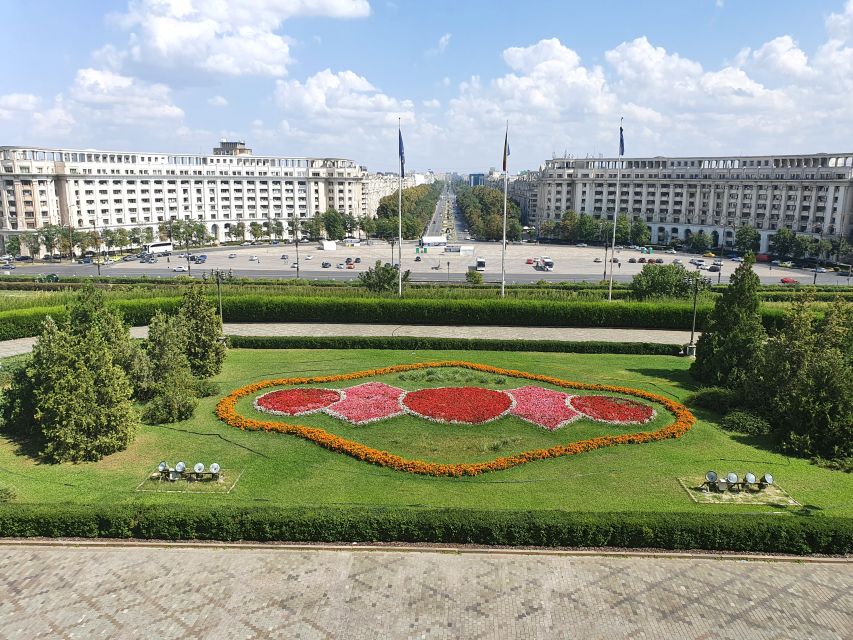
(571, 264)
(438, 223)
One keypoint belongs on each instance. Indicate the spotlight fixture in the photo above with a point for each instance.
(767, 479)
(731, 477)
(199, 467)
(711, 477)
(749, 478)
(162, 467)
(214, 468)
(181, 467)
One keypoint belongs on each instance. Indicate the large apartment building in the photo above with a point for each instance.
(90, 189)
(678, 197)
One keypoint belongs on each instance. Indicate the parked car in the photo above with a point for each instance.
(737, 259)
(24, 258)
(309, 257)
(581, 244)
(787, 264)
(718, 262)
(776, 263)
(348, 261)
(632, 260)
(714, 268)
(350, 266)
(819, 270)
(614, 259)
(6, 257)
(341, 265)
(597, 260)
(417, 259)
(529, 261)
(232, 255)
(9, 265)
(657, 260)
(326, 265)
(670, 251)
(642, 260)
(179, 268)
(294, 265)
(358, 260)
(247, 243)
(790, 281)
(152, 259)
(709, 254)
(284, 256)
(676, 261)
(253, 259)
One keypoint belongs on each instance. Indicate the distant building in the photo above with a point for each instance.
(476, 179)
(678, 197)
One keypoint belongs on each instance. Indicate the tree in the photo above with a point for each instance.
(368, 226)
(782, 243)
(623, 230)
(699, 242)
(314, 228)
(173, 391)
(206, 346)
(803, 245)
(588, 228)
(148, 235)
(136, 235)
(803, 384)
(240, 229)
(747, 239)
(381, 278)
(74, 401)
(334, 224)
(640, 234)
(121, 238)
(823, 249)
(734, 335)
(277, 229)
(50, 235)
(665, 281)
(547, 229)
(32, 242)
(256, 230)
(568, 226)
(109, 238)
(13, 245)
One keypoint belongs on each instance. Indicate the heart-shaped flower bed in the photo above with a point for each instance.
(462, 405)
(613, 410)
(296, 402)
(226, 410)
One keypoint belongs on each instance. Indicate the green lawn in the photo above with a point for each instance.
(283, 470)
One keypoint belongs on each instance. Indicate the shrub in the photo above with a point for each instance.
(473, 277)
(205, 388)
(7, 493)
(382, 278)
(663, 281)
(170, 404)
(743, 421)
(717, 399)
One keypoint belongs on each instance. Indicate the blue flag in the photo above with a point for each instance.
(506, 147)
(621, 141)
(402, 155)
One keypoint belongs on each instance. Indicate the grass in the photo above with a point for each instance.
(284, 471)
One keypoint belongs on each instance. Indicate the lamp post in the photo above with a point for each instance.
(218, 274)
(448, 272)
(696, 281)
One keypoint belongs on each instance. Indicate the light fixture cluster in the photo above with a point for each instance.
(180, 471)
(731, 482)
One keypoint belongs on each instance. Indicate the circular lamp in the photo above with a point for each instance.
(199, 467)
(181, 467)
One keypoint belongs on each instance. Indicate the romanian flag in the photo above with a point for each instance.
(402, 154)
(621, 140)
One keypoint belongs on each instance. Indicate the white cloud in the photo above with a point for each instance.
(122, 100)
(442, 45)
(840, 25)
(782, 55)
(19, 102)
(432, 104)
(217, 101)
(233, 37)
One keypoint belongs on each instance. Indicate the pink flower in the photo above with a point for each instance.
(367, 403)
(545, 407)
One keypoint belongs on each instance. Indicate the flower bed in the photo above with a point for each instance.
(226, 410)
(460, 405)
(543, 407)
(613, 410)
(296, 402)
(367, 403)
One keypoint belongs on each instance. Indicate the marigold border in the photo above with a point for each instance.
(227, 412)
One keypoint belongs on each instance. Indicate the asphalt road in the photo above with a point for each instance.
(571, 264)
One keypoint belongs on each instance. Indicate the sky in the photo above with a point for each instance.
(331, 78)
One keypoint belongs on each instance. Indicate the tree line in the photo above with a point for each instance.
(572, 227)
(418, 208)
(482, 210)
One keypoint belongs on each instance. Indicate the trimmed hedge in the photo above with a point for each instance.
(461, 344)
(518, 313)
(680, 530)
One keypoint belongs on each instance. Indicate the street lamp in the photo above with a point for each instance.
(695, 279)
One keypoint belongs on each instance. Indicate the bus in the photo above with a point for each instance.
(481, 264)
(158, 247)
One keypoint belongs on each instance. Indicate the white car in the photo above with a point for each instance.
(670, 251)
(7, 257)
(737, 259)
(341, 265)
(294, 265)
(247, 244)
(309, 257)
(232, 255)
(676, 261)
(253, 258)
(180, 267)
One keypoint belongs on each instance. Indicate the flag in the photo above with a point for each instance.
(621, 140)
(402, 155)
(506, 147)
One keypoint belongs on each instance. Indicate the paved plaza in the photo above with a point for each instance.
(135, 591)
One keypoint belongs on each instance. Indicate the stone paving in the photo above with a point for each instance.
(172, 592)
(662, 336)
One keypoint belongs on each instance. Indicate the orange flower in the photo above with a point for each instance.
(227, 412)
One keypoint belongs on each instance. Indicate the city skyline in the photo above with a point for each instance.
(711, 79)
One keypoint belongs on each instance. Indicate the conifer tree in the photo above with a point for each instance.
(205, 344)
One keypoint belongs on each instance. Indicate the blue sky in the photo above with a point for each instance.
(331, 77)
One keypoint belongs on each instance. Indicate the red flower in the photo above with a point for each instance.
(613, 409)
(544, 407)
(367, 402)
(296, 402)
(468, 405)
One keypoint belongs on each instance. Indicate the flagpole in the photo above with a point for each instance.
(615, 212)
(503, 244)
(400, 221)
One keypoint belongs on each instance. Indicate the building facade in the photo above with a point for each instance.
(89, 189)
(678, 197)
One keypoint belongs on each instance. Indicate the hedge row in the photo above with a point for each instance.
(461, 344)
(518, 313)
(731, 532)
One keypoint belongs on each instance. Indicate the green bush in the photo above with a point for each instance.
(719, 399)
(437, 344)
(748, 422)
(206, 388)
(171, 404)
(7, 493)
(733, 532)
